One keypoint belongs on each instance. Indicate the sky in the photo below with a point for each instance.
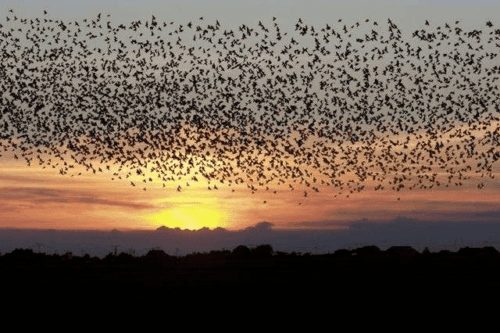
(40, 198)
(407, 12)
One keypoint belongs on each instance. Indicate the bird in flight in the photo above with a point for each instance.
(317, 107)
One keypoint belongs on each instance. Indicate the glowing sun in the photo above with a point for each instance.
(189, 217)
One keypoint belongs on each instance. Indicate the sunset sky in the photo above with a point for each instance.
(40, 198)
(36, 197)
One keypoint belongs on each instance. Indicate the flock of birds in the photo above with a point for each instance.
(341, 106)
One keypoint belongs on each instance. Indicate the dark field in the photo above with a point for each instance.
(398, 270)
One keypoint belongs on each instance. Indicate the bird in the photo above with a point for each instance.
(340, 108)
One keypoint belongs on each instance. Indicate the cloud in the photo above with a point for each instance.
(320, 224)
(401, 231)
(44, 195)
(22, 179)
(493, 214)
(8, 207)
(260, 227)
(445, 210)
(487, 215)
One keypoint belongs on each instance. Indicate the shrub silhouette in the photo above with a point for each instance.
(241, 251)
(367, 251)
(259, 267)
(263, 251)
(402, 251)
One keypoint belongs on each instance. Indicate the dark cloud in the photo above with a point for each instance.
(8, 207)
(320, 224)
(261, 226)
(44, 195)
(401, 231)
(23, 179)
(493, 214)
(419, 209)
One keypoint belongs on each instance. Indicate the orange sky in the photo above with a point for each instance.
(32, 197)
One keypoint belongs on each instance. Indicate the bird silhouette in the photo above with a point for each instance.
(344, 106)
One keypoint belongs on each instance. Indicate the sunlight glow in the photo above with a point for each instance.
(189, 217)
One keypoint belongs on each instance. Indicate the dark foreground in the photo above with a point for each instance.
(398, 270)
